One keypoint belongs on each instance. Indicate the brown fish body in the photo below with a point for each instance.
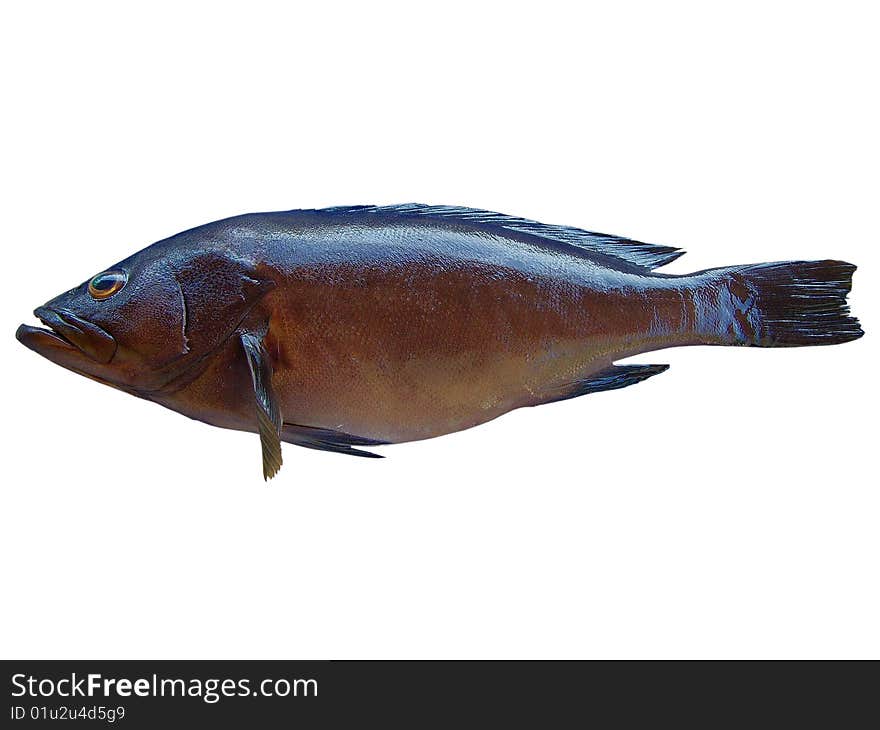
(403, 323)
(434, 331)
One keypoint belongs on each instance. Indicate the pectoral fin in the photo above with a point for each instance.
(268, 413)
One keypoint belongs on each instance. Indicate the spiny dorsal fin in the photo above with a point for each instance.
(268, 414)
(649, 255)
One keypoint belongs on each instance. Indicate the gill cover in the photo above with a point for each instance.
(210, 294)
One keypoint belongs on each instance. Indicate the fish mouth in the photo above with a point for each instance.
(66, 333)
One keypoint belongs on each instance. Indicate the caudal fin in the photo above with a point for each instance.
(791, 304)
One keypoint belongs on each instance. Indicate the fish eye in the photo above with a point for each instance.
(107, 283)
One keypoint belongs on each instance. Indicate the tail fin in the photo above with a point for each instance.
(790, 304)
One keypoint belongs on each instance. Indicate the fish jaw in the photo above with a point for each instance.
(91, 340)
(68, 341)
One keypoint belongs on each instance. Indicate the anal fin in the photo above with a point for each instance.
(325, 439)
(612, 378)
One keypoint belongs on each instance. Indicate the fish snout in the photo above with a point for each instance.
(86, 336)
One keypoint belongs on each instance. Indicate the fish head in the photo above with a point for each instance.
(146, 320)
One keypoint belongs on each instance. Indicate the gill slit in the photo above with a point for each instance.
(185, 317)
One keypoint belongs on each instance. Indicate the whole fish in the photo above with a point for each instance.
(354, 326)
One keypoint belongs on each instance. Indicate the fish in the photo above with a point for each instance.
(350, 327)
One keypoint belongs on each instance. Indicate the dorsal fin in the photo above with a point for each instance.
(648, 255)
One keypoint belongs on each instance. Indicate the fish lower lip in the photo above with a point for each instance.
(26, 331)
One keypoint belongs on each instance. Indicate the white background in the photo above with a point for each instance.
(727, 508)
